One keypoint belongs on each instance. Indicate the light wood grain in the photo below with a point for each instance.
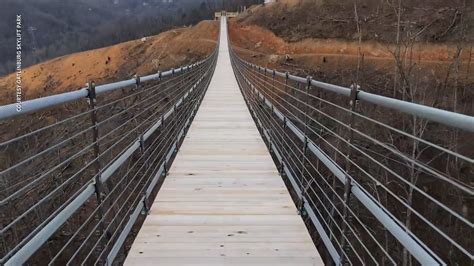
(223, 202)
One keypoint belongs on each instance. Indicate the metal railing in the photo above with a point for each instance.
(377, 178)
(74, 185)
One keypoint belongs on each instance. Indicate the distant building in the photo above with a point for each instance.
(217, 15)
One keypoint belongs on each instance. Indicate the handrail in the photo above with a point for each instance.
(277, 111)
(461, 121)
(10, 110)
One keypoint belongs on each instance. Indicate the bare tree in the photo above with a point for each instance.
(398, 12)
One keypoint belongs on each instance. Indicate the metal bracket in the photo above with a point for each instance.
(282, 168)
(165, 169)
(305, 145)
(301, 210)
(137, 81)
(91, 96)
(142, 143)
(146, 208)
(308, 80)
(354, 92)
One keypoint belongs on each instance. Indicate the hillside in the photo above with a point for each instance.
(263, 41)
(427, 21)
(310, 40)
(53, 28)
(173, 48)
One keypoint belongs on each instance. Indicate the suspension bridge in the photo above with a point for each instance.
(227, 162)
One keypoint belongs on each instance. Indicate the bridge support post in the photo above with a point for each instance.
(141, 140)
(282, 166)
(147, 165)
(304, 186)
(176, 124)
(92, 100)
(303, 171)
(287, 78)
(347, 217)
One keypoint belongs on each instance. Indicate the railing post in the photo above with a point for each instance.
(283, 146)
(176, 125)
(143, 145)
(303, 169)
(165, 169)
(287, 77)
(146, 208)
(302, 178)
(347, 218)
(270, 134)
(92, 100)
(273, 78)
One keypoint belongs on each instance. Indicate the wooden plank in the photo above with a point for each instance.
(241, 249)
(223, 208)
(251, 261)
(223, 202)
(243, 233)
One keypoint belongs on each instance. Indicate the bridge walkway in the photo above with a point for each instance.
(223, 201)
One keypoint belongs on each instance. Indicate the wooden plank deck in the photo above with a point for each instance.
(223, 202)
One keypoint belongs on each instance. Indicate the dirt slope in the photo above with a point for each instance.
(335, 60)
(169, 49)
(306, 37)
(262, 40)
